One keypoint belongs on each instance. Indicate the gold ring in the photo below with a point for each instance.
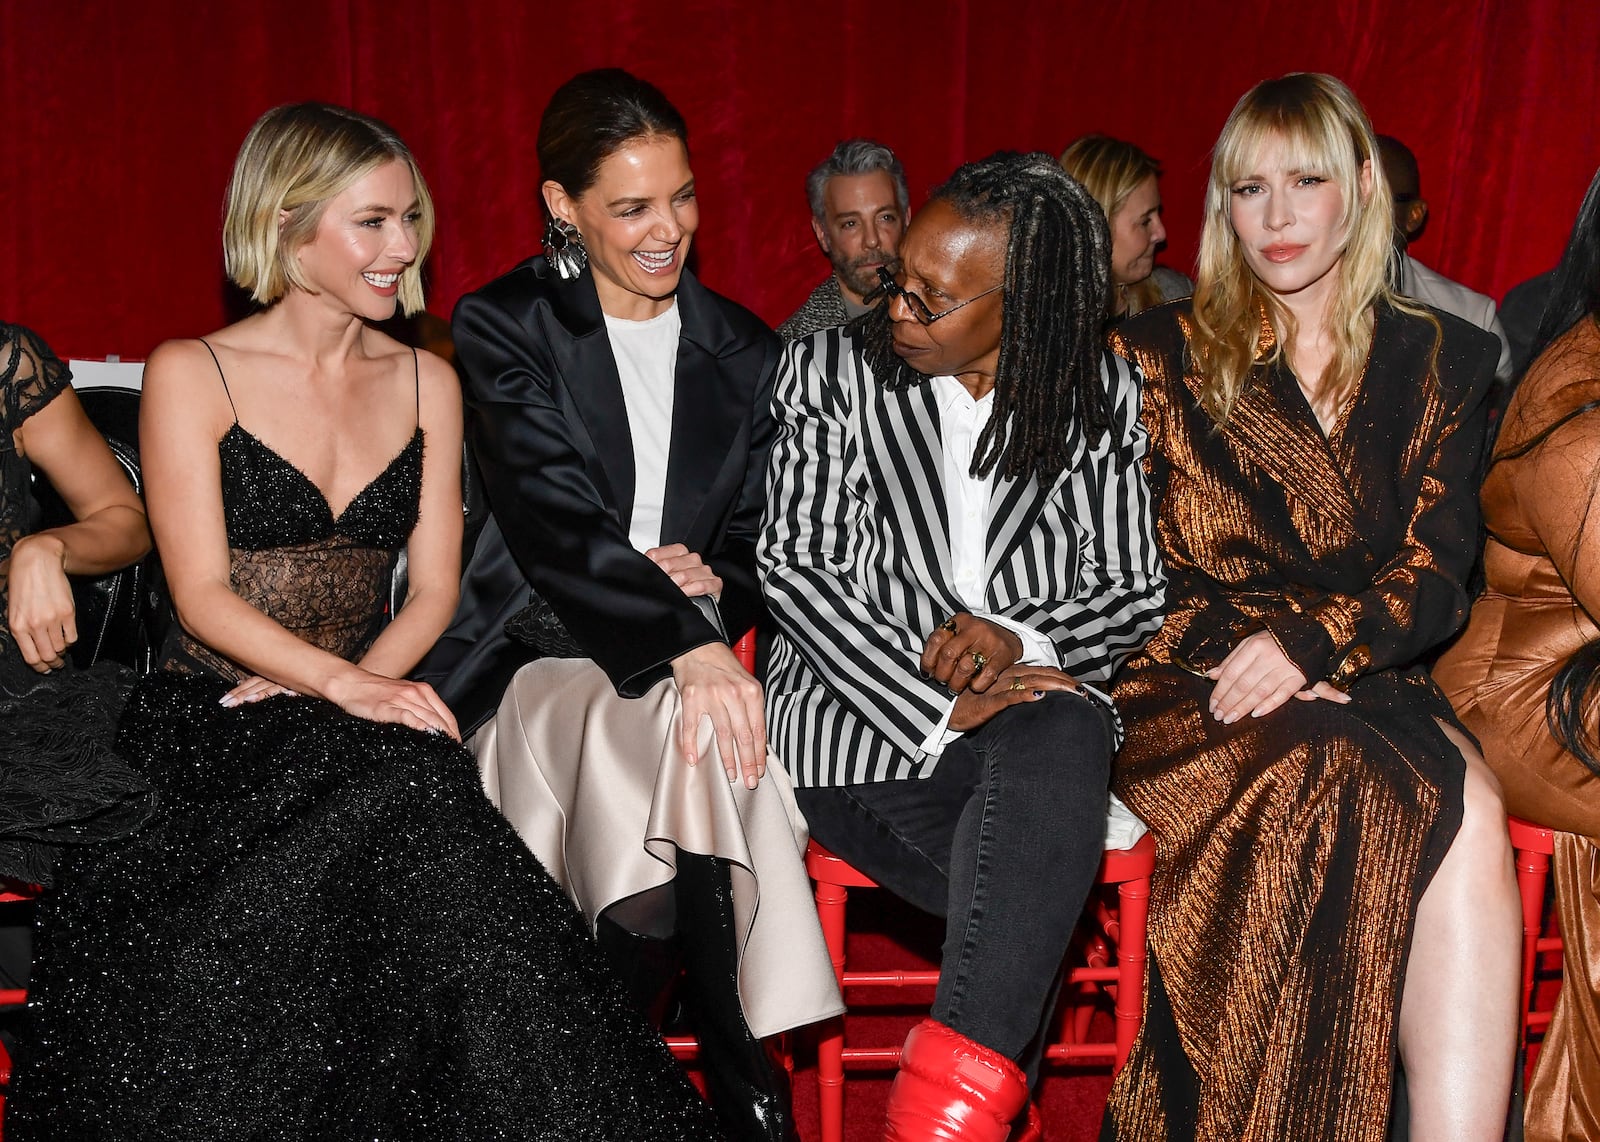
(978, 660)
(949, 624)
(1017, 683)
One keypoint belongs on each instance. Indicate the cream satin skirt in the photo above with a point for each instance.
(597, 788)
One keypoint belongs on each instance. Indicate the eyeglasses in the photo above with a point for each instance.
(919, 308)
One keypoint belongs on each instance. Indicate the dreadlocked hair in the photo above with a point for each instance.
(1057, 283)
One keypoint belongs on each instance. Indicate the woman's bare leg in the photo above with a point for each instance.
(1458, 1012)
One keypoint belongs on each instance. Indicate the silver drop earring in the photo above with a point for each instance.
(563, 246)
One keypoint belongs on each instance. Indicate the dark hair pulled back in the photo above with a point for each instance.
(592, 116)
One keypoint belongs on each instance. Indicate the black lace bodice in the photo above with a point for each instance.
(322, 577)
(268, 502)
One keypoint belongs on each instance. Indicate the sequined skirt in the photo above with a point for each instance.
(1292, 851)
(328, 932)
(597, 788)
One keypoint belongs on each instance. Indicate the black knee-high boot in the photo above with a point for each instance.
(647, 965)
(749, 1092)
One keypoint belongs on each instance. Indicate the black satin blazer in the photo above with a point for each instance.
(547, 426)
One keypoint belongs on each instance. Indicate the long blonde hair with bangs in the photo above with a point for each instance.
(292, 162)
(1325, 130)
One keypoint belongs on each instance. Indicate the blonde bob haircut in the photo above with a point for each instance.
(1314, 124)
(293, 161)
(1111, 170)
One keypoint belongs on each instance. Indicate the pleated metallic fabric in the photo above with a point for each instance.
(1293, 848)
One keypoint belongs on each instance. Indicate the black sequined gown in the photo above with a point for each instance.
(328, 932)
(61, 784)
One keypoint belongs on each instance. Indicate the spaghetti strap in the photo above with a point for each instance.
(220, 373)
(416, 383)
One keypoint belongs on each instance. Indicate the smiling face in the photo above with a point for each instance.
(637, 221)
(861, 229)
(366, 237)
(946, 260)
(1136, 234)
(1291, 223)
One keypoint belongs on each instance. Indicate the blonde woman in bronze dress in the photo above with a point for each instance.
(1523, 675)
(1320, 816)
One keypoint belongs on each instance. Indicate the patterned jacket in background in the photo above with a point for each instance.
(822, 310)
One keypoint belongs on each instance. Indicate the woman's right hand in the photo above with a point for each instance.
(380, 699)
(40, 609)
(712, 684)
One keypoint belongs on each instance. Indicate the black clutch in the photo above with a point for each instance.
(537, 626)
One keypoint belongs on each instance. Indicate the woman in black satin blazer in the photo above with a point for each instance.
(626, 742)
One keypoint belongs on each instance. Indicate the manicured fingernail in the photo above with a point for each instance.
(750, 781)
(227, 700)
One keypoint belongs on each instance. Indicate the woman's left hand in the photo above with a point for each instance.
(40, 614)
(712, 684)
(1257, 677)
(687, 569)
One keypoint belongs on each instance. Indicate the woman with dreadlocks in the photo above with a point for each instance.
(958, 549)
(1333, 877)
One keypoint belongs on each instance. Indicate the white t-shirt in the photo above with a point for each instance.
(647, 361)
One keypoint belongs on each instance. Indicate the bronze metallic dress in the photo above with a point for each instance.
(1293, 848)
(1538, 609)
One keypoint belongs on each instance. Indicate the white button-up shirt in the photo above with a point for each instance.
(961, 421)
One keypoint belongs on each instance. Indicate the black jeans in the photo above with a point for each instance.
(1003, 840)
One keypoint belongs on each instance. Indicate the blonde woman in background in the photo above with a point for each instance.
(1122, 179)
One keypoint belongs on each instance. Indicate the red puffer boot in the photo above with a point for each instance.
(1030, 1129)
(951, 1089)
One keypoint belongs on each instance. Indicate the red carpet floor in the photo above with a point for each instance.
(885, 933)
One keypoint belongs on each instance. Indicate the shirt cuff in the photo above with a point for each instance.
(941, 735)
(1037, 650)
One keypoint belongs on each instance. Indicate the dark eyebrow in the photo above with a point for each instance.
(930, 283)
(636, 200)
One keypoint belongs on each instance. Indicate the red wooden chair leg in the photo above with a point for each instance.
(1134, 907)
(831, 900)
(1533, 870)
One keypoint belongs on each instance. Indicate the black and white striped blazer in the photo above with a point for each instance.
(856, 568)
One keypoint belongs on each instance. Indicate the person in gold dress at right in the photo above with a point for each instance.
(1333, 883)
(1524, 676)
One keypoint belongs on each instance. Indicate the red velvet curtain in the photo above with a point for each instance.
(121, 120)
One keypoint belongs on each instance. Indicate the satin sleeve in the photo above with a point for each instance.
(624, 611)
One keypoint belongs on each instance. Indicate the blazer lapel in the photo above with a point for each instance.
(589, 369)
(1391, 409)
(1016, 505)
(1287, 442)
(907, 461)
(711, 395)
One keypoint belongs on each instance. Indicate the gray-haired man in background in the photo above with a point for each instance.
(859, 210)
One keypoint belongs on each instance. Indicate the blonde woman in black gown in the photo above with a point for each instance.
(329, 931)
